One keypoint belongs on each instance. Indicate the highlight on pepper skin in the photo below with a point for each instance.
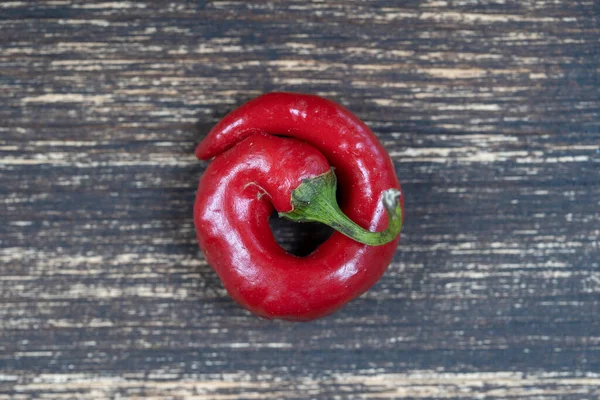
(256, 171)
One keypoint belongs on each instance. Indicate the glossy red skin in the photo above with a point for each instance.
(254, 172)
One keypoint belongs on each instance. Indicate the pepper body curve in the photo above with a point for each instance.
(263, 150)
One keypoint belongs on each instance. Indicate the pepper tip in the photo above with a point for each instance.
(200, 152)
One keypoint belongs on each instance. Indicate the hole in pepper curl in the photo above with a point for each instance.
(299, 239)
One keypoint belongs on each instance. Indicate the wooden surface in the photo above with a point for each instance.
(489, 108)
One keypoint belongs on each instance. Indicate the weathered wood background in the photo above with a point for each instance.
(489, 108)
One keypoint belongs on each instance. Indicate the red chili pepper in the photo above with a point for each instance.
(255, 171)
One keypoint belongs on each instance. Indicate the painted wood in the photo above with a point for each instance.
(489, 109)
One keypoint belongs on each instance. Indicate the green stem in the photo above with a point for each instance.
(314, 200)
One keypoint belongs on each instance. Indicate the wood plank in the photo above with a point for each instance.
(488, 108)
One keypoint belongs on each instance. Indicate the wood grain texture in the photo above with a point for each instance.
(489, 108)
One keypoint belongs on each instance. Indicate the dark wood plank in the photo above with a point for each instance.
(489, 109)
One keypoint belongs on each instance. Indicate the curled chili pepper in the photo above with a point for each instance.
(275, 152)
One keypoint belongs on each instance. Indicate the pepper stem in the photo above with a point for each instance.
(314, 200)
